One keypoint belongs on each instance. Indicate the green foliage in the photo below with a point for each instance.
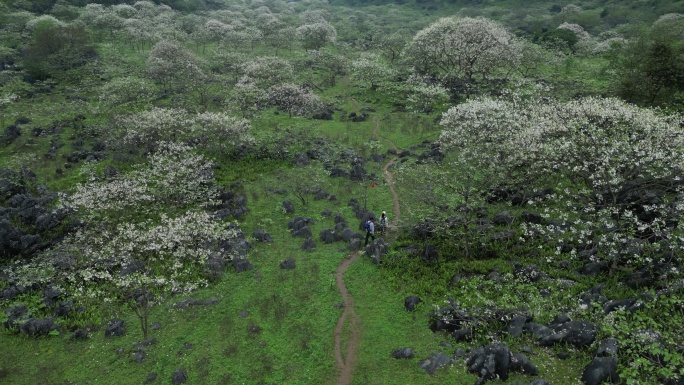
(57, 48)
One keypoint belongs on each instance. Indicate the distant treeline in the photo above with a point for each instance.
(44, 6)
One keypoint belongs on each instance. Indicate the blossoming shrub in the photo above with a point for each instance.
(616, 169)
(144, 235)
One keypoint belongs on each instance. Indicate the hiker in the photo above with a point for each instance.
(370, 230)
(384, 223)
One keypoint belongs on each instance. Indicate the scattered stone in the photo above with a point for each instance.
(434, 362)
(593, 268)
(309, 244)
(521, 364)
(288, 207)
(80, 334)
(577, 333)
(304, 232)
(624, 304)
(38, 326)
(243, 314)
(287, 264)
(115, 328)
(503, 218)
(151, 377)
(156, 326)
(539, 382)
(329, 236)
(262, 236)
(607, 348)
(601, 369)
(178, 377)
(515, 327)
(490, 362)
(242, 264)
(405, 353)
(411, 301)
(139, 356)
(64, 308)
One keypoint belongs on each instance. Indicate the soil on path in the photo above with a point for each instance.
(346, 363)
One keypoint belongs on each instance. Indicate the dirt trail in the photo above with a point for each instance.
(346, 363)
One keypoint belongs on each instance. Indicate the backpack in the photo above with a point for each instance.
(366, 226)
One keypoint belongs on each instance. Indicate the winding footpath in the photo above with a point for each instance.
(346, 363)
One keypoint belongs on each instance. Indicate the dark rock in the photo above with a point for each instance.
(532, 217)
(490, 362)
(133, 266)
(326, 213)
(355, 244)
(288, 207)
(324, 114)
(337, 172)
(406, 353)
(538, 331)
(411, 301)
(287, 264)
(430, 253)
(309, 244)
(600, 370)
(329, 236)
(64, 308)
(301, 160)
(151, 377)
(298, 223)
(607, 348)
(357, 173)
(521, 364)
(139, 356)
(559, 320)
(51, 296)
(348, 234)
(47, 221)
(376, 250)
(434, 362)
(156, 326)
(178, 377)
(14, 314)
(465, 334)
(80, 334)
(503, 218)
(515, 327)
(262, 236)
(563, 355)
(241, 264)
(38, 326)
(115, 328)
(577, 333)
(539, 382)
(110, 172)
(529, 273)
(593, 268)
(611, 306)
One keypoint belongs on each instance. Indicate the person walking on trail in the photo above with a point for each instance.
(370, 230)
(384, 222)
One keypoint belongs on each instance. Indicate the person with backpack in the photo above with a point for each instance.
(384, 223)
(370, 230)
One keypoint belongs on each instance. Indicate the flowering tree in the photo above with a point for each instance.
(473, 48)
(369, 69)
(126, 90)
(170, 64)
(424, 96)
(602, 156)
(316, 35)
(157, 125)
(331, 65)
(268, 71)
(295, 99)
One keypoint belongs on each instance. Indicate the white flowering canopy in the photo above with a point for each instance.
(470, 47)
